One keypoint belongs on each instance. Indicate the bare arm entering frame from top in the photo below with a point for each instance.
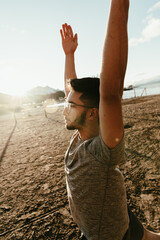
(114, 62)
(69, 44)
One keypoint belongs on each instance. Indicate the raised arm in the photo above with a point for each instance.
(69, 44)
(114, 62)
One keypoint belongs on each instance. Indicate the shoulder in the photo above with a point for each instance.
(101, 151)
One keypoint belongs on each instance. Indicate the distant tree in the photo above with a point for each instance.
(57, 95)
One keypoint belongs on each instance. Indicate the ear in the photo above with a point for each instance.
(93, 113)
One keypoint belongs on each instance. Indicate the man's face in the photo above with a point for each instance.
(75, 115)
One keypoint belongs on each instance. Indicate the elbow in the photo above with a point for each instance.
(110, 86)
(110, 98)
(111, 91)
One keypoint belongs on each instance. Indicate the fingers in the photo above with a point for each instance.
(70, 32)
(61, 32)
(76, 37)
(66, 31)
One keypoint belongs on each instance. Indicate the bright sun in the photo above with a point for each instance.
(13, 89)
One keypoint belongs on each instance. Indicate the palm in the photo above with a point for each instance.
(69, 45)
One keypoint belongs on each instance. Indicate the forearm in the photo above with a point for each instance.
(70, 72)
(115, 52)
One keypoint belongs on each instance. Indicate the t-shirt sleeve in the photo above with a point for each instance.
(105, 155)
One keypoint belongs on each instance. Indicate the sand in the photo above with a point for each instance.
(33, 199)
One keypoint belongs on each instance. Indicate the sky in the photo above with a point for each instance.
(30, 44)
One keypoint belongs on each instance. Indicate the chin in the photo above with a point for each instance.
(70, 127)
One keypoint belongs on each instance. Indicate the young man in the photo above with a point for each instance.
(95, 186)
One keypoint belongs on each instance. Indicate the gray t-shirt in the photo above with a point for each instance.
(96, 190)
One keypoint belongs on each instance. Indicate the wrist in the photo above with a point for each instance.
(69, 54)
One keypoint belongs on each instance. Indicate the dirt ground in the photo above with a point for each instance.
(33, 199)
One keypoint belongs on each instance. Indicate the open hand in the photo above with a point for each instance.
(69, 41)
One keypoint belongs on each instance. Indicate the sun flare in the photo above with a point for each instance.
(14, 90)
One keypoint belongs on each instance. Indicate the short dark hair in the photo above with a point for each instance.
(89, 87)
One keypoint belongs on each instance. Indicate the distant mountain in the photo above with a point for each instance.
(41, 91)
(37, 94)
(149, 82)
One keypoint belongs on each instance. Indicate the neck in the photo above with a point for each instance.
(89, 132)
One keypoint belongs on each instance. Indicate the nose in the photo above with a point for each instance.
(64, 111)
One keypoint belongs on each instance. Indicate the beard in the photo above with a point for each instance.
(77, 123)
